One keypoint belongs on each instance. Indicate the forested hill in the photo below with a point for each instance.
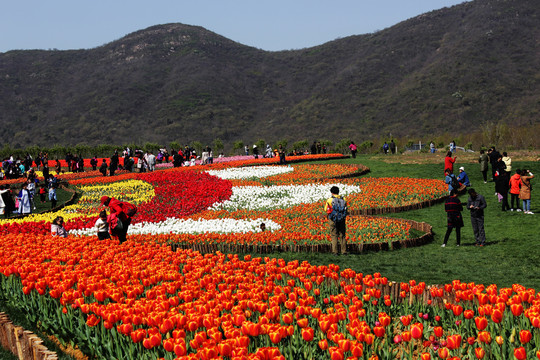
(449, 70)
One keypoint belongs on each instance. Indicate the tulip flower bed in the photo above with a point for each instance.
(142, 300)
(174, 202)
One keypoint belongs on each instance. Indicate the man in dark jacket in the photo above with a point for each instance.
(476, 205)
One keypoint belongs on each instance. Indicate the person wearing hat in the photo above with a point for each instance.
(463, 178)
(123, 211)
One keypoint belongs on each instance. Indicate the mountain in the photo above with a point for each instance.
(446, 71)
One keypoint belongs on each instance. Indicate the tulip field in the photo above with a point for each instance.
(154, 297)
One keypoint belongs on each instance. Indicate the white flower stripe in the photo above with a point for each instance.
(191, 226)
(251, 172)
(262, 198)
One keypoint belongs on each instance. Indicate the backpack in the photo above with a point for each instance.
(115, 224)
(339, 210)
(129, 209)
(454, 182)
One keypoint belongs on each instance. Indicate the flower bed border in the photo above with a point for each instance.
(319, 248)
(22, 343)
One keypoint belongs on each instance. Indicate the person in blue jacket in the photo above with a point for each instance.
(463, 178)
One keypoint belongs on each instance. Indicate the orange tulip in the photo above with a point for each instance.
(479, 353)
(481, 322)
(443, 353)
(485, 337)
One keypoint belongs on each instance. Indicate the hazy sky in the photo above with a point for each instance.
(269, 25)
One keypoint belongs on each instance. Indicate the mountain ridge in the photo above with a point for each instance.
(446, 71)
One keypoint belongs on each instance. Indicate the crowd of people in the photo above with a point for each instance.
(22, 202)
(518, 185)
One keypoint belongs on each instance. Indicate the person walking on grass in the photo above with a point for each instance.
(453, 208)
(476, 205)
(483, 160)
(336, 212)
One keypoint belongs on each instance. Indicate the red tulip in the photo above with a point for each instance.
(520, 353)
(525, 336)
(307, 334)
(417, 330)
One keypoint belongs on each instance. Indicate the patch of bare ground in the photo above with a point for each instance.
(415, 157)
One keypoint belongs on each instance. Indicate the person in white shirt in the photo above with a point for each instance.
(102, 226)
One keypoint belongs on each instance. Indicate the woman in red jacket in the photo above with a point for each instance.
(449, 161)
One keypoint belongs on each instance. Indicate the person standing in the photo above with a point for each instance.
(476, 205)
(453, 209)
(336, 212)
(314, 148)
(25, 200)
(7, 198)
(151, 161)
(123, 211)
(449, 161)
(392, 147)
(353, 149)
(103, 168)
(494, 156)
(526, 188)
(483, 160)
(385, 148)
(432, 147)
(502, 183)
(94, 163)
(114, 163)
(508, 162)
(515, 188)
(281, 153)
(269, 152)
(246, 150)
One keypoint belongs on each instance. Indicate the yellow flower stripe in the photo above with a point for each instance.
(134, 191)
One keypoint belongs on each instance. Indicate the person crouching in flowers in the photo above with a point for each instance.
(57, 227)
(124, 211)
(336, 211)
(453, 209)
(102, 226)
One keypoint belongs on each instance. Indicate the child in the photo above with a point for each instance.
(102, 226)
(42, 193)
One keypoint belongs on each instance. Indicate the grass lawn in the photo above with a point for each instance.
(513, 238)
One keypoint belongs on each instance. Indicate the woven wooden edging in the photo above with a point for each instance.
(22, 343)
